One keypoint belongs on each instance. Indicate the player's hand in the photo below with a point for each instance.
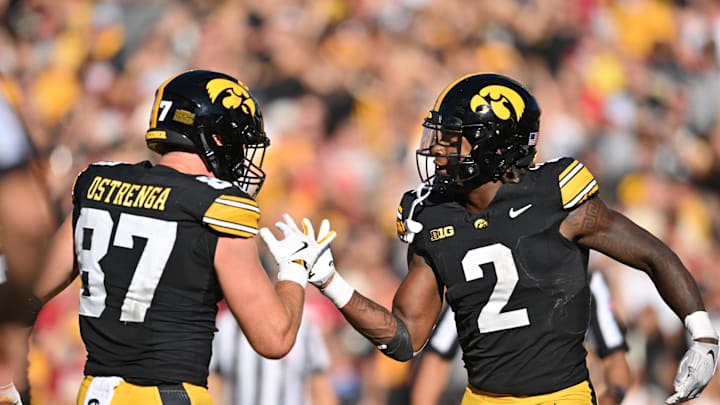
(694, 372)
(323, 274)
(9, 395)
(325, 265)
(297, 252)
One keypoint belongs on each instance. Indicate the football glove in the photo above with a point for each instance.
(698, 364)
(323, 274)
(325, 265)
(695, 371)
(297, 252)
(407, 227)
(9, 395)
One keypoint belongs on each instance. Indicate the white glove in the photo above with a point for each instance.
(9, 395)
(297, 252)
(694, 372)
(323, 274)
(698, 364)
(325, 265)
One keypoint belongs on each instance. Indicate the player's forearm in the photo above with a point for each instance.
(292, 296)
(613, 234)
(372, 320)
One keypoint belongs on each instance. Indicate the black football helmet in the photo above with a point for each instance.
(496, 114)
(215, 116)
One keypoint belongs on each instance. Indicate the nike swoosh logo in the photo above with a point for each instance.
(712, 354)
(514, 213)
(304, 246)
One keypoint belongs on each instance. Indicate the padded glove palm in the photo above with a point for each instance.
(298, 251)
(694, 372)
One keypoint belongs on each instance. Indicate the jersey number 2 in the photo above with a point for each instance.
(490, 318)
(97, 224)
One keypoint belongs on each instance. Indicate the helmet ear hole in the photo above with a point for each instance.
(217, 139)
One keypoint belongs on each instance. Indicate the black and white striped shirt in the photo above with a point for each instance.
(254, 380)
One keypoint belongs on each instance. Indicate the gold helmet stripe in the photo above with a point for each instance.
(158, 98)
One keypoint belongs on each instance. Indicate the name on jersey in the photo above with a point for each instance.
(116, 192)
(442, 233)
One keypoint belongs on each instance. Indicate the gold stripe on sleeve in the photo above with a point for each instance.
(577, 184)
(233, 215)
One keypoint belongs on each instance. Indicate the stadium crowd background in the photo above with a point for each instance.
(630, 87)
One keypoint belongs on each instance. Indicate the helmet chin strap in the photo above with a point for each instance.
(210, 159)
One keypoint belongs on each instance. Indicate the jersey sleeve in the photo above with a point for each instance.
(576, 183)
(233, 215)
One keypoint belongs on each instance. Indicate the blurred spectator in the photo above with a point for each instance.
(26, 223)
(627, 86)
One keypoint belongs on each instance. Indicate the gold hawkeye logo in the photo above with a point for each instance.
(505, 102)
(235, 94)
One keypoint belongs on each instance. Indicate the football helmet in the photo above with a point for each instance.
(497, 115)
(215, 116)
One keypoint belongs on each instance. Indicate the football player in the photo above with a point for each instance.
(507, 243)
(157, 246)
(605, 335)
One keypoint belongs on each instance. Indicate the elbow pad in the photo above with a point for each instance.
(400, 347)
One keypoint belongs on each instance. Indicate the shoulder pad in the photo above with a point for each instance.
(234, 215)
(402, 213)
(576, 183)
(410, 204)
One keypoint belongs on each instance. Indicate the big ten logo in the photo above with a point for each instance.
(442, 233)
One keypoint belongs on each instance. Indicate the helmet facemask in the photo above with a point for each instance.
(497, 117)
(492, 155)
(236, 154)
(459, 167)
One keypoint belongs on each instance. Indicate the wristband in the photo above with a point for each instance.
(699, 325)
(338, 290)
(294, 272)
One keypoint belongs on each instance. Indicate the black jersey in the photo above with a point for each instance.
(518, 288)
(145, 239)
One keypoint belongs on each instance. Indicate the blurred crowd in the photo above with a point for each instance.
(629, 87)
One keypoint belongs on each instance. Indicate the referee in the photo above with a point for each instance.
(300, 378)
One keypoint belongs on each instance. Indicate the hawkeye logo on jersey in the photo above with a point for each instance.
(442, 233)
(236, 95)
(481, 223)
(125, 194)
(504, 102)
